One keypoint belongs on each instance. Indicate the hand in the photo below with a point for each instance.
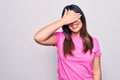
(70, 16)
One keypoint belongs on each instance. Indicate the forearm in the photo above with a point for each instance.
(46, 31)
(97, 76)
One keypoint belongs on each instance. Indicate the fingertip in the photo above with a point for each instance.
(79, 14)
(65, 11)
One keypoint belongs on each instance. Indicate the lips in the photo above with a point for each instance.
(74, 25)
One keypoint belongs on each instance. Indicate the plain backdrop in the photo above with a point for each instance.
(21, 58)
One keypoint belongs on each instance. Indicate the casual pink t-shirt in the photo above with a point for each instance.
(79, 66)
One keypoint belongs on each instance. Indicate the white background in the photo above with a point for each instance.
(23, 59)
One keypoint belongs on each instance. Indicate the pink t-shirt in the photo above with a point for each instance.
(79, 66)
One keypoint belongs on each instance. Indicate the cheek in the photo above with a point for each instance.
(81, 25)
(69, 27)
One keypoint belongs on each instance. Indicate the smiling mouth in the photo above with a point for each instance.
(74, 25)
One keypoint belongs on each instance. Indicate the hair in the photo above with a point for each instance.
(68, 44)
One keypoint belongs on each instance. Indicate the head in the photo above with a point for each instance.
(68, 45)
(82, 21)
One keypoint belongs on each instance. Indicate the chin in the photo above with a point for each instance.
(75, 31)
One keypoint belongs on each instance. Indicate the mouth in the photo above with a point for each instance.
(74, 25)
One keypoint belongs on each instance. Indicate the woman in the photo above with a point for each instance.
(78, 52)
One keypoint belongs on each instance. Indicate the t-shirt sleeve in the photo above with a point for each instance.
(57, 34)
(97, 48)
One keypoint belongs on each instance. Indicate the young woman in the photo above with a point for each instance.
(78, 52)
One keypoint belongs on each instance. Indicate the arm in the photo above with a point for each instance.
(45, 36)
(97, 68)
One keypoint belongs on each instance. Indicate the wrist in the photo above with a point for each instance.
(62, 21)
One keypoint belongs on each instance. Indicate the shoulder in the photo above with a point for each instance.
(96, 47)
(59, 37)
(95, 40)
(95, 43)
(58, 34)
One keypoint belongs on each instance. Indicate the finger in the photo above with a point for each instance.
(79, 15)
(65, 12)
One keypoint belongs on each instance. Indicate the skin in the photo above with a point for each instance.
(75, 27)
(45, 36)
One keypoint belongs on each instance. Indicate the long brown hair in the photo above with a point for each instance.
(68, 44)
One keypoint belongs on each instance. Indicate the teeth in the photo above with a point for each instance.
(74, 26)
